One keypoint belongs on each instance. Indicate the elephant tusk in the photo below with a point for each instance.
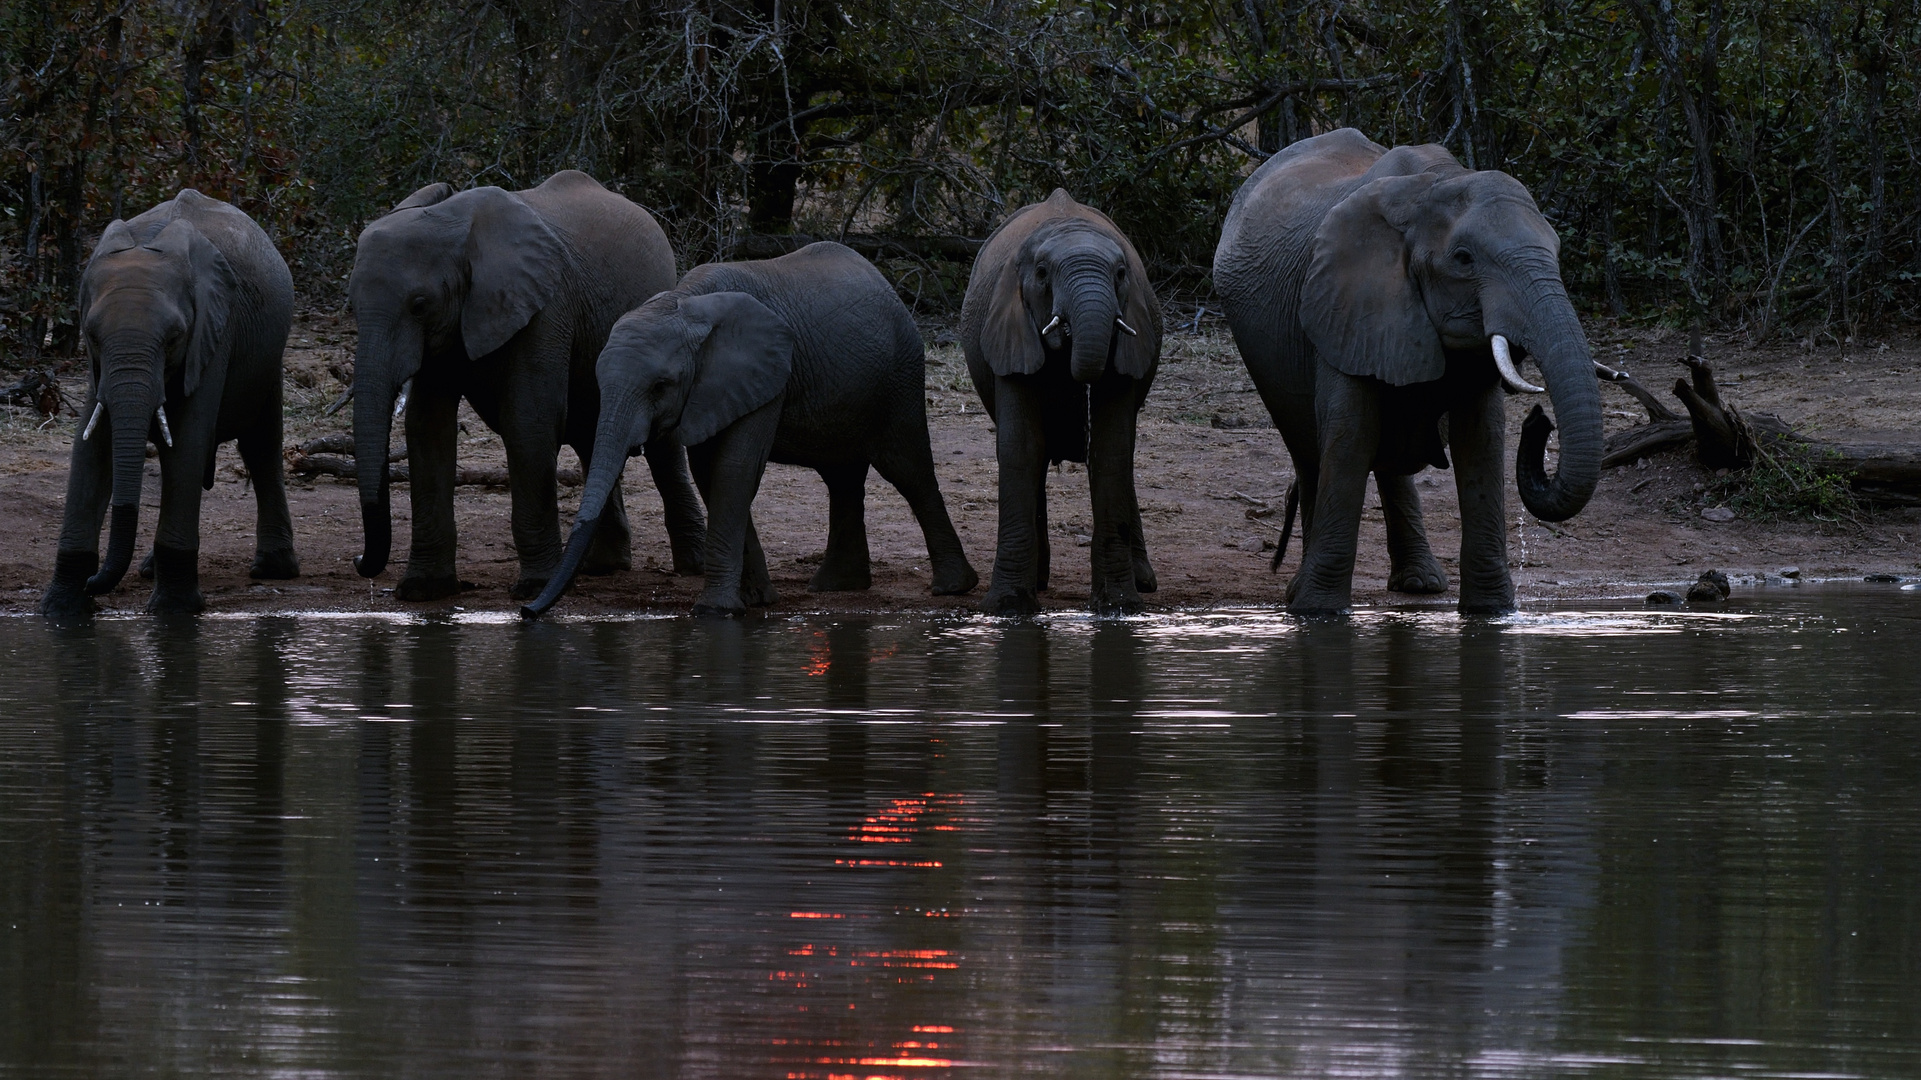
(99, 409)
(1510, 378)
(1608, 374)
(1049, 328)
(1126, 329)
(166, 433)
(400, 403)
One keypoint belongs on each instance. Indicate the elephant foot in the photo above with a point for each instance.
(176, 589)
(1421, 576)
(1304, 598)
(609, 558)
(146, 567)
(282, 565)
(1109, 602)
(689, 559)
(759, 594)
(66, 596)
(1144, 579)
(440, 586)
(951, 581)
(846, 577)
(711, 606)
(526, 588)
(1007, 600)
(1493, 602)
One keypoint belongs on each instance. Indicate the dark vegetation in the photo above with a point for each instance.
(1729, 162)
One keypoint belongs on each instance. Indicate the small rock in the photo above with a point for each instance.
(1883, 579)
(1718, 513)
(1664, 596)
(1082, 540)
(1252, 543)
(1789, 571)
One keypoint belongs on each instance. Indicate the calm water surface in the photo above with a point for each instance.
(1571, 842)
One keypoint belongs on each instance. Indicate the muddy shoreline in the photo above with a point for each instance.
(1209, 469)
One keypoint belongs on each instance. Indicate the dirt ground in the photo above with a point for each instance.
(1210, 465)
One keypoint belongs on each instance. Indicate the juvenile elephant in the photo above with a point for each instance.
(1062, 335)
(1373, 292)
(809, 359)
(503, 298)
(184, 313)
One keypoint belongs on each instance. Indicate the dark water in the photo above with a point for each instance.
(1576, 842)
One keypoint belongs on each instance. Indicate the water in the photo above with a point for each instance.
(1572, 842)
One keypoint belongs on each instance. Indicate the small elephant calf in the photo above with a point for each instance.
(809, 359)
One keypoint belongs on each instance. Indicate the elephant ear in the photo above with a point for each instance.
(426, 196)
(213, 285)
(514, 260)
(1134, 354)
(1360, 304)
(1009, 338)
(742, 357)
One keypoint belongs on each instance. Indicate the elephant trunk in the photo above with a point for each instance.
(1553, 337)
(131, 392)
(611, 447)
(1091, 306)
(378, 361)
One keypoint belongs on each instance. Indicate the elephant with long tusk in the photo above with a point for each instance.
(184, 313)
(1374, 292)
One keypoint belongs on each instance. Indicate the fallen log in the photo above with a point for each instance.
(318, 458)
(1879, 469)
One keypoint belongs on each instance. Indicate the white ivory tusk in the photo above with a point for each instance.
(400, 403)
(1122, 323)
(99, 409)
(1510, 378)
(1049, 328)
(166, 433)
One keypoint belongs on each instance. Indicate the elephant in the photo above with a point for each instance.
(1062, 335)
(503, 298)
(1374, 293)
(808, 359)
(184, 314)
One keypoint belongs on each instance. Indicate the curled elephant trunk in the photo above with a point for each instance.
(1092, 309)
(130, 403)
(1557, 343)
(610, 458)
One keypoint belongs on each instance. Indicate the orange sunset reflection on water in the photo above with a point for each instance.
(847, 972)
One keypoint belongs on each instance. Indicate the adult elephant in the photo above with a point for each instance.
(1373, 292)
(1062, 335)
(184, 313)
(809, 359)
(504, 298)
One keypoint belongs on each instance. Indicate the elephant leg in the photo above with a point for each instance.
(1043, 547)
(612, 550)
(176, 535)
(1348, 415)
(756, 584)
(907, 463)
(1412, 567)
(536, 511)
(431, 432)
(686, 521)
(274, 558)
(89, 490)
(1477, 440)
(1021, 449)
(1110, 482)
(728, 469)
(846, 566)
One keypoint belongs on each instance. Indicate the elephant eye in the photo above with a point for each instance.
(1463, 258)
(1040, 273)
(417, 305)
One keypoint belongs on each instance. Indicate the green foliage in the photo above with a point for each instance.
(1790, 482)
(1743, 162)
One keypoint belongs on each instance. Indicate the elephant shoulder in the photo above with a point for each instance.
(570, 180)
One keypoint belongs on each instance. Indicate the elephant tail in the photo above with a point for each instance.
(1287, 525)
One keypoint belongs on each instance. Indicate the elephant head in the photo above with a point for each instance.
(444, 277)
(1410, 269)
(1074, 280)
(679, 365)
(154, 321)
